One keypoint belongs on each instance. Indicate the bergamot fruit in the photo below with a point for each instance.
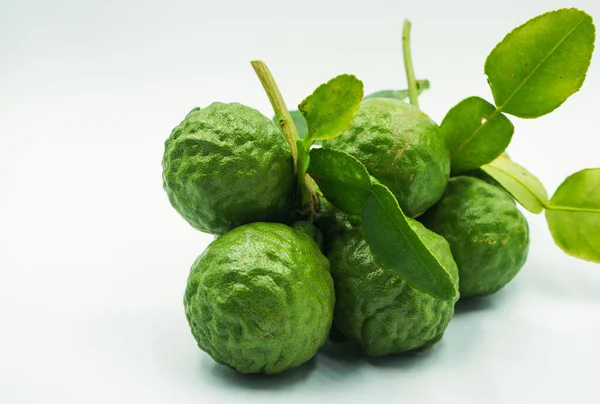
(488, 235)
(379, 309)
(228, 165)
(403, 148)
(260, 298)
(332, 222)
(310, 230)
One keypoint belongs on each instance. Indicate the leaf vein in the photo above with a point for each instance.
(521, 183)
(539, 65)
(391, 216)
(574, 209)
(474, 134)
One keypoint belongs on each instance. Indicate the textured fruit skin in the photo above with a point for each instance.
(482, 175)
(488, 235)
(260, 298)
(377, 308)
(402, 147)
(311, 230)
(228, 165)
(332, 222)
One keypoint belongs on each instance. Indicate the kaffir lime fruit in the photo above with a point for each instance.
(332, 222)
(379, 309)
(227, 165)
(488, 235)
(402, 147)
(260, 298)
(310, 230)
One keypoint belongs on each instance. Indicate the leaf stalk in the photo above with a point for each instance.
(281, 112)
(408, 66)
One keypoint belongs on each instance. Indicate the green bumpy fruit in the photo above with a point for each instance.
(332, 222)
(403, 148)
(488, 235)
(260, 298)
(379, 309)
(310, 230)
(228, 165)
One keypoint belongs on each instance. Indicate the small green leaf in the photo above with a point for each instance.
(401, 95)
(330, 109)
(299, 122)
(398, 247)
(344, 181)
(476, 133)
(541, 63)
(520, 183)
(302, 127)
(574, 215)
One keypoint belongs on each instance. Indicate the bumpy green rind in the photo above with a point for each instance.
(228, 165)
(488, 235)
(402, 147)
(311, 230)
(482, 175)
(377, 308)
(332, 222)
(260, 298)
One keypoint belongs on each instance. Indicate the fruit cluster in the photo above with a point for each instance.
(374, 236)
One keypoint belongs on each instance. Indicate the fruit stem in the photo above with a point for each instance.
(308, 207)
(408, 66)
(309, 201)
(281, 112)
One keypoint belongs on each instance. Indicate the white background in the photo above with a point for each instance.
(94, 260)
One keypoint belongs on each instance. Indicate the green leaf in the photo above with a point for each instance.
(541, 63)
(574, 215)
(344, 181)
(299, 122)
(302, 127)
(329, 111)
(398, 247)
(476, 133)
(520, 183)
(401, 95)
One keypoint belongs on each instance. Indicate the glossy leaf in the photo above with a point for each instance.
(398, 247)
(574, 215)
(475, 133)
(541, 63)
(330, 109)
(344, 181)
(401, 95)
(520, 183)
(302, 127)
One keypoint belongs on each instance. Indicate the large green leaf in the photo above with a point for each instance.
(574, 215)
(475, 133)
(520, 183)
(541, 63)
(343, 179)
(399, 94)
(398, 247)
(346, 183)
(330, 109)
